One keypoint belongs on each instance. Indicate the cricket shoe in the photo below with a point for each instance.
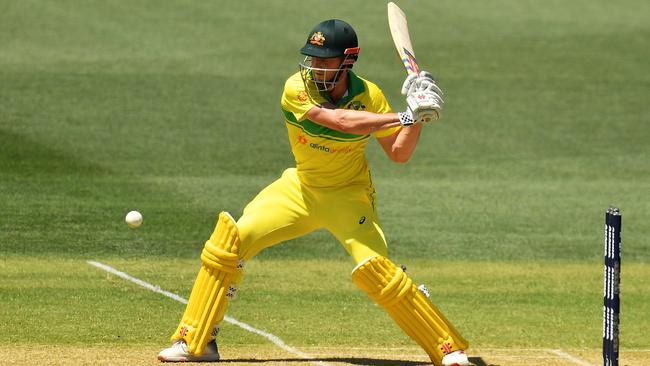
(456, 358)
(179, 352)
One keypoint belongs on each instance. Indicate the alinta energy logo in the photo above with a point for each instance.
(303, 140)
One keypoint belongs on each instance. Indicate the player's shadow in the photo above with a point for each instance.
(348, 360)
(477, 361)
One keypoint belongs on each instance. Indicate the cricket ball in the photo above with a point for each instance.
(134, 219)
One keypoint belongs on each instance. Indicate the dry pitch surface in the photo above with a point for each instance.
(271, 356)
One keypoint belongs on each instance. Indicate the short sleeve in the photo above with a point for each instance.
(295, 100)
(380, 105)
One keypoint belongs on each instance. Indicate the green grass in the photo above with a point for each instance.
(172, 108)
(537, 305)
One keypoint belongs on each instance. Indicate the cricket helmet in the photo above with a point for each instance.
(329, 39)
(332, 38)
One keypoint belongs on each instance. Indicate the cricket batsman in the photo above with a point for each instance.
(330, 114)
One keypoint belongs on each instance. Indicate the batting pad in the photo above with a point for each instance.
(214, 286)
(391, 288)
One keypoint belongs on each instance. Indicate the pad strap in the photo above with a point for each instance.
(391, 288)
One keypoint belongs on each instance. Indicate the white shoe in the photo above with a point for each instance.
(178, 352)
(456, 358)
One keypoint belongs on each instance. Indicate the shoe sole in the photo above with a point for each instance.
(185, 359)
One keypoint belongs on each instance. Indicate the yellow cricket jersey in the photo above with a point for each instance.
(326, 157)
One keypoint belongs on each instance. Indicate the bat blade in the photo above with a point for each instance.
(401, 38)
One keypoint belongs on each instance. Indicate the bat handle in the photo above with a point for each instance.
(410, 65)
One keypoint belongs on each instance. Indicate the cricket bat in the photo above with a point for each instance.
(400, 32)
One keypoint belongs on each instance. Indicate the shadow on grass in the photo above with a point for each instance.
(477, 361)
(24, 157)
(348, 360)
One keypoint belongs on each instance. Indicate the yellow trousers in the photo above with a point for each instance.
(286, 209)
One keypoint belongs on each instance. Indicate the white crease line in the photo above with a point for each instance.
(274, 339)
(568, 357)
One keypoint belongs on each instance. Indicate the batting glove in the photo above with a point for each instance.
(422, 107)
(420, 82)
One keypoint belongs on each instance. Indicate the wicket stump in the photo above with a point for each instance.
(612, 281)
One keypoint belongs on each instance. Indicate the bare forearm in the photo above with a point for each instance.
(363, 123)
(405, 143)
(352, 121)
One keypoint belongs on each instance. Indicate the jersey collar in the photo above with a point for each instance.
(355, 88)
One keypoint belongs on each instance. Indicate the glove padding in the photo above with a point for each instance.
(423, 97)
(423, 106)
(420, 82)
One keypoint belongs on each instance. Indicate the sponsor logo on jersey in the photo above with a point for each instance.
(317, 39)
(319, 147)
(303, 140)
(338, 150)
